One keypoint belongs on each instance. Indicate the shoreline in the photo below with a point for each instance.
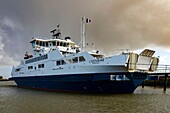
(5, 80)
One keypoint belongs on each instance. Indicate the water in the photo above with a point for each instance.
(17, 100)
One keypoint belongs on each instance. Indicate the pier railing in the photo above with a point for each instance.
(164, 71)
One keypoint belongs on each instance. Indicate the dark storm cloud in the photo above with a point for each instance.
(116, 24)
(133, 24)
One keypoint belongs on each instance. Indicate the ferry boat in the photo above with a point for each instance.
(59, 64)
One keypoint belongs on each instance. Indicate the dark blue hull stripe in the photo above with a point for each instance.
(79, 83)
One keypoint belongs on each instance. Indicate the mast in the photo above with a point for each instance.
(56, 34)
(83, 32)
(84, 20)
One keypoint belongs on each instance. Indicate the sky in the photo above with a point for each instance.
(116, 25)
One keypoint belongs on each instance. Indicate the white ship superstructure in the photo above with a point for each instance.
(59, 64)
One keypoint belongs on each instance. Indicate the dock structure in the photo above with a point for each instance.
(160, 74)
(163, 71)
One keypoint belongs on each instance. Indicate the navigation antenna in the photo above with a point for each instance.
(56, 34)
(84, 21)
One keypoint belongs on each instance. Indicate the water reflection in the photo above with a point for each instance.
(16, 100)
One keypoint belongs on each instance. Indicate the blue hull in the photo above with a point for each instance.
(91, 83)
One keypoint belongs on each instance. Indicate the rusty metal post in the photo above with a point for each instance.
(143, 84)
(155, 83)
(165, 82)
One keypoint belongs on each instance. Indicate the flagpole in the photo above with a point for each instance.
(83, 32)
(84, 21)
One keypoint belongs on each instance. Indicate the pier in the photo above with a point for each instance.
(163, 73)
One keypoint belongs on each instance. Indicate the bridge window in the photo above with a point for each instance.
(54, 43)
(33, 44)
(67, 44)
(58, 43)
(61, 43)
(40, 43)
(43, 43)
(37, 43)
(46, 44)
(64, 44)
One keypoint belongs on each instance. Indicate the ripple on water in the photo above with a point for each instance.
(147, 100)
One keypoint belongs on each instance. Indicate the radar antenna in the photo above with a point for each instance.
(56, 34)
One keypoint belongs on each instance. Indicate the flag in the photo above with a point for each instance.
(58, 25)
(88, 20)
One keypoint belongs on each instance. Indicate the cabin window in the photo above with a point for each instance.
(42, 57)
(30, 67)
(63, 62)
(54, 43)
(58, 63)
(75, 60)
(69, 61)
(41, 66)
(81, 59)
(18, 69)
